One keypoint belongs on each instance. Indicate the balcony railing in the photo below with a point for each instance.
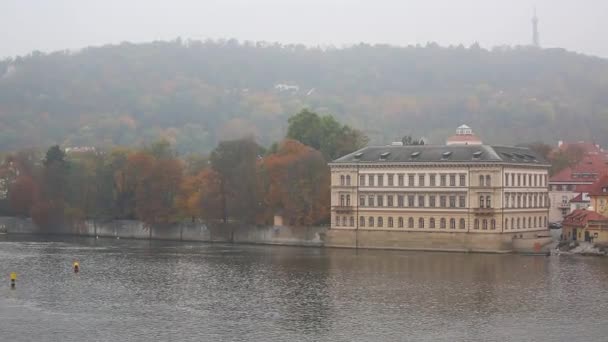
(484, 211)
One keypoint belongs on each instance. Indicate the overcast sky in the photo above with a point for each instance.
(48, 25)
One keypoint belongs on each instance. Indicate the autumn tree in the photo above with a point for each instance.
(299, 183)
(23, 194)
(408, 140)
(200, 196)
(235, 162)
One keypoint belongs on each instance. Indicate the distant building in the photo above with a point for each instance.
(585, 225)
(535, 35)
(464, 136)
(458, 196)
(574, 181)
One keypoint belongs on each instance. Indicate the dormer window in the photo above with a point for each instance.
(358, 155)
(446, 154)
(384, 155)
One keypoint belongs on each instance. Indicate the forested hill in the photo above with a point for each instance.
(196, 93)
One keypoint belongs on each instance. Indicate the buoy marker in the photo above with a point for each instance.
(13, 280)
(76, 266)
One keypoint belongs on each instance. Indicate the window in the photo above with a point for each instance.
(421, 180)
(452, 223)
(462, 201)
(463, 180)
(400, 200)
(400, 179)
(410, 200)
(410, 222)
(344, 221)
(518, 179)
(432, 180)
(442, 201)
(370, 180)
(519, 201)
(481, 201)
(410, 180)
(432, 223)
(389, 200)
(523, 223)
(530, 179)
(506, 200)
(488, 180)
(348, 200)
(432, 201)
(371, 221)
(484, 224)
(342, 200)
(400, 222)
(362, 180)
(481, 180)
(525, 198)
(512, 223)
(506, 179)
(535, 180)
(362, 201)
(380, 180)
(380, 199)
(452, 180)
(337, 221)
(352, 221)
(390, 178)
(529, 222)
(535, 222)
(506, 223)
(493, 224)
(544, 222)
(380, 221)
(421, 223)
(421, 201)
(462, 224)
(488, 201)
(342, 180)
(390, 222)
(518, 223)
(370, 201)
(442, 223)
(348, 180)
(524, 179)
(512, 179)
(361, 221)
(442, 180)
(452, 201)
(476, 224)
(513, 201)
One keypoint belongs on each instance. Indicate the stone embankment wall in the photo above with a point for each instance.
(216, 232)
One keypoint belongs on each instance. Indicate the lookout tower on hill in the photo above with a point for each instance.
(464, 136)
(535, 38)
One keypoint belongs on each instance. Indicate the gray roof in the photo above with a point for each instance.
(444, 153)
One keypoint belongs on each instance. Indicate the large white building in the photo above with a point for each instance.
(480, 196)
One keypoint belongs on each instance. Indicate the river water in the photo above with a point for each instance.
(160, 291)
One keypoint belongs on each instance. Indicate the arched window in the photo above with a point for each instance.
(484, 224)
(410, 222)
(352, 221)
(421, 222)
(344, 221)
(506, 223)
(390, 222)
(476, 224)
(488, 180)
(481, 201)
(493, 224)
(462, 224)
(488, 201)
(452, 223)
(480, 180)
(380, 221)
(371, 221)
(348, 180)
(342, 180)
(400, 222)
(361, 221)
(337, 221)
(432, 222)
(442, 223)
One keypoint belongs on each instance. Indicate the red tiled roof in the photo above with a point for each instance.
(464, 137)
(586, 147)
(577, 199)
(597, 189)
(595, 165)
(582, 216)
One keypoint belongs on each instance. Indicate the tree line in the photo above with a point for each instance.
(239, 180)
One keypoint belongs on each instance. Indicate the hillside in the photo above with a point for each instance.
(195, 94)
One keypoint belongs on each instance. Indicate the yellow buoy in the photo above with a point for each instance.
(13, 279)
(76, 266)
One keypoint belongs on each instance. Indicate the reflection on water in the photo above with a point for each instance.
(148, 291)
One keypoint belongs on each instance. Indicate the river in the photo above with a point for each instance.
(162, 291)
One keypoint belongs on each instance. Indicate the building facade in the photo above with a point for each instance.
(467, 190)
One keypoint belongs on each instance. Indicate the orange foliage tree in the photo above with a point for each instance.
(299, 182)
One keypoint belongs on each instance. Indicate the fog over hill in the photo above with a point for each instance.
(195, 93)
